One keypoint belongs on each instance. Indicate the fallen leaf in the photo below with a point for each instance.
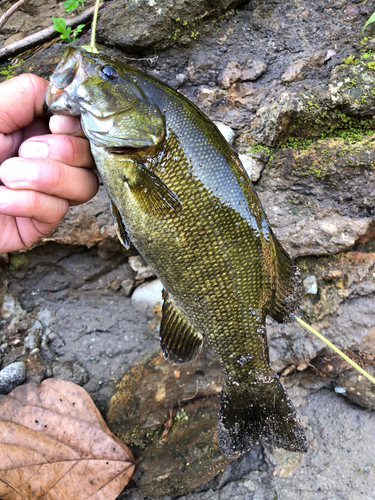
(55, 445)
(168, 424)
(330, 54)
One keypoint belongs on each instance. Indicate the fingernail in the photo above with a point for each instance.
(18, 170)
(33, 150)
(61, 124)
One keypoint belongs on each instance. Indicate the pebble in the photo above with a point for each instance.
(12, 376)
(226, 131)
(310, 284)
(147, 294)
(252, 166)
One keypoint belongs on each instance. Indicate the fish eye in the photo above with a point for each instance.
(109, 72)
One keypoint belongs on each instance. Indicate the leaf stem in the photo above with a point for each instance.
(93, 28)
(336, 349)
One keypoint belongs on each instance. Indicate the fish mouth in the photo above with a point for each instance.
(52, 95)
(127, 150)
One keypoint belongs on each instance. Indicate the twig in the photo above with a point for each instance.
(191, 397)
(43, 35)
(4, 18)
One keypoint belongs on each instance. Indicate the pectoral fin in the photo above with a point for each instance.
(180, 341)
(120, 226)
(152, 193)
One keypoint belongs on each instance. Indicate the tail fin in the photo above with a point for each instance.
(262, 411)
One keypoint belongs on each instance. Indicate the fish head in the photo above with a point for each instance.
(115, 113)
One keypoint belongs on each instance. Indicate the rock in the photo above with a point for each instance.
(85, 224)
(252, 166)
(207, 96)
(202, 68)
(310, 285)
(14, 38)
(227, 132)
(357, 387)
(155, 25)
(253, 71)
(12, 376)
(139, 265)
(308, 214)
(295, 70)
(72, 371)
(128, 286)
(231, 74)
(146, 398)
(234, 72)
(147, 294)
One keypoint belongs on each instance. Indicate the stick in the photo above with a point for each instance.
(43, 35)
(336, 349)
(7, 14)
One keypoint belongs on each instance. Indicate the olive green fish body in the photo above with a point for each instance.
(184, 200)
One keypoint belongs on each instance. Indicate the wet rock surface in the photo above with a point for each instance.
(164, 409)
(304, 125)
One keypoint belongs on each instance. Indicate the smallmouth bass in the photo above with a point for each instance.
(180, 194)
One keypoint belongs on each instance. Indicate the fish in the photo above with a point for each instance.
(179, 193)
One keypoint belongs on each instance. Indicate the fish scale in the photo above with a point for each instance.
(184, 200)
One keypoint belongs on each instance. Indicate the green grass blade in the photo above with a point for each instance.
(336, 349)
(369, 21)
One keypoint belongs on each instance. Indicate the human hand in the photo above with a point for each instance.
(51, 172)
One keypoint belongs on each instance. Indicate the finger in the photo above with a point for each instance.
(65, 148)
(21, 100)
(38, 127)
(9, 144)
(41, 207)
(62, 124)
(51, 177)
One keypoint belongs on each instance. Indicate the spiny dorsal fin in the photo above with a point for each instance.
(288, 293)
(120, 226)
(180, 341)
(152, 193)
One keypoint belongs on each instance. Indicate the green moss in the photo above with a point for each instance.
(371, 65)
(17, 260)
(351, 60)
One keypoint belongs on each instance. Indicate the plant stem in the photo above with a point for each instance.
(93, 28)
(336, 349)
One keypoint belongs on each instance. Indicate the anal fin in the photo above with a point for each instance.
(120, 226)
(180, 341)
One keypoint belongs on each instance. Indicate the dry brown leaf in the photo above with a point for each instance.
(54, 445)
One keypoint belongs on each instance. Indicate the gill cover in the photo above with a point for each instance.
(114, 111)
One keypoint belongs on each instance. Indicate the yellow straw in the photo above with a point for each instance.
(93, 28)
(350, 361)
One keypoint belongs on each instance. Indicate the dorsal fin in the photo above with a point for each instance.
(120, 226)
(288, 293)
(180, 341)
